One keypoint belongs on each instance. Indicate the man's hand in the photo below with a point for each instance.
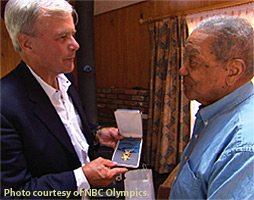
(99, 172)
(108, 136)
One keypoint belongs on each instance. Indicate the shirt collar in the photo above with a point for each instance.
(63, 82)
(226, 103)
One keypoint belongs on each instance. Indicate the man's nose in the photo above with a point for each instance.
(74, 44)
(183, 71)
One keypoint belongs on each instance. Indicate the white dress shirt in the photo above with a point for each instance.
(71, 120)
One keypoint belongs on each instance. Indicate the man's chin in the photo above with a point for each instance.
(188, 95)
(69, 68)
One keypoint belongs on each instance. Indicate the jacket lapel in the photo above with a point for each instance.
(44, 110)
(47, 114)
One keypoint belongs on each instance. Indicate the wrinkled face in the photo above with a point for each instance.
(203, 76)
(54, 45)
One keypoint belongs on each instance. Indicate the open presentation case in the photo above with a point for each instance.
(128, 150)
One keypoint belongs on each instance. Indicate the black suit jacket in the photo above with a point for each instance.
(36, 151)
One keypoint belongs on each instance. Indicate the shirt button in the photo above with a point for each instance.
(206, 123)
(185, 157)
(196, 136)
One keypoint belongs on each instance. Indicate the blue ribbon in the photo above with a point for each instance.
(130, 144)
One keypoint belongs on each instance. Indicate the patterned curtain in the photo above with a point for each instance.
(169, 112)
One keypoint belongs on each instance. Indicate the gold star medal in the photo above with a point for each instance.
(126, 155)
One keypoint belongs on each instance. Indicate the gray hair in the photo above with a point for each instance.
(233, 39)
(20, 15)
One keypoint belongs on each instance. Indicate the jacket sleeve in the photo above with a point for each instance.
(15, 175)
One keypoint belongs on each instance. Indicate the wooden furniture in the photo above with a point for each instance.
(165, 187)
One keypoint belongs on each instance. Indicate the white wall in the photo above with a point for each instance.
(102, 6)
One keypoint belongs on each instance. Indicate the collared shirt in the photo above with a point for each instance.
(71, 120)
(218, 163)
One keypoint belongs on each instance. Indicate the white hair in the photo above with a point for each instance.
(234, 38)
(20, 15)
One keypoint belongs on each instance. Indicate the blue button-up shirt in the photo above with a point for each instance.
(218, 163)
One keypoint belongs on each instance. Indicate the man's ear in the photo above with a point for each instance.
(236, 68)
(24, 42)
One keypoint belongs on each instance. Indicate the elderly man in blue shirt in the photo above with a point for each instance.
(218, 67)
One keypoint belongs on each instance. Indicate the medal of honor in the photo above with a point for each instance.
(128, 147)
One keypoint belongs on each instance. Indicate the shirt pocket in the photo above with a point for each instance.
(187, 185)
(194, 181)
